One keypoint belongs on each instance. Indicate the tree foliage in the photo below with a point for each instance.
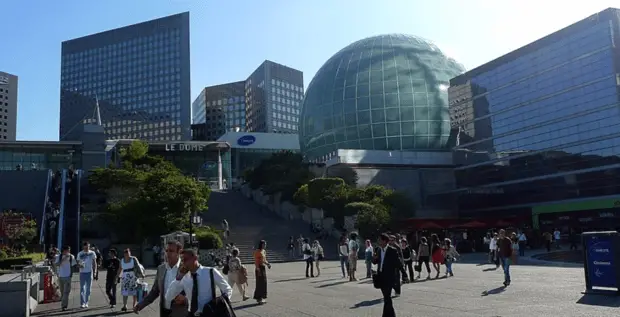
(148, 196)
(283, 172)
(18, 228)
(347, 173)
(371, 219)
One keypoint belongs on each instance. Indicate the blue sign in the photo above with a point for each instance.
(600, 257)
(246, 140)
(208, 165)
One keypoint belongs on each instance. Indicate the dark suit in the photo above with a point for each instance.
(388, 276)
(158, 291)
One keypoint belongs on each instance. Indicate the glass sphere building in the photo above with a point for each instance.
(387, 92)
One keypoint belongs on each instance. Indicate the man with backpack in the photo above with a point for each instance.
(64, 264)
(353, 252)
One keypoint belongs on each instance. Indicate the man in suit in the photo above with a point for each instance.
(388, 266)
(166, 274)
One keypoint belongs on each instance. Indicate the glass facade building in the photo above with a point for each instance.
(40, 155)
(541, 125)
(386, 92)
(274, 94)
(8, 107)
(219, 109)
(139, 76)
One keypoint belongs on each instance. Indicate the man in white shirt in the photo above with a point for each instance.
(166, 274)
(87, 260)
(64, 263)
(196, 284)
(493, 251)
(522, 243)
(557, 235)
(353, 256)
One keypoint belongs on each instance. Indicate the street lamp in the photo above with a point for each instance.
(194, 219)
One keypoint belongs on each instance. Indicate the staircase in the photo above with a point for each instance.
(249, 223)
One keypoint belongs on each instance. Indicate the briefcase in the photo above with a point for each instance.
(219, 306)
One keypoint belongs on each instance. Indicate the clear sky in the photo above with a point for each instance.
(230, 38)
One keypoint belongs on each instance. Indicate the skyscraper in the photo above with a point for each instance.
(273, 95)
(139, 75)
(219, 109)
(8, 106)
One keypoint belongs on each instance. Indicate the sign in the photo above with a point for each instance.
(246, 140)
(600, 261)
(184, 147)
(209, 165)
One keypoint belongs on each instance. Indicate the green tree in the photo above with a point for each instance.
(347, 173)
(18, 228)
(148, 196)
(371, 219)
(283, 172)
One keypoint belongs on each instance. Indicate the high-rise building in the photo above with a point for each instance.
(539, 130)
(8, 107)
(219, 109)
(139, 76)
(273, 95)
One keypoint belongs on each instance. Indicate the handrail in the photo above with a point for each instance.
(43, 216)
(61, 217)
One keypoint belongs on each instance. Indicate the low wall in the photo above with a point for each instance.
(21, 291)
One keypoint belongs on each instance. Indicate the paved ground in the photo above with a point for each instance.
(474, 291)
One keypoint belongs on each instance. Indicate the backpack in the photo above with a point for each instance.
(138, 269)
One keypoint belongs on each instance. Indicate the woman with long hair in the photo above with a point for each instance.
(369, 254)
(260, 261)
(308, 258)
(437, 254)
(319, 255)
(423, 258)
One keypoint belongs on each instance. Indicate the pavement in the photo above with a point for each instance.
(475, 290)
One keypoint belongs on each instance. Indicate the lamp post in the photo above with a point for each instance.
(194, 219)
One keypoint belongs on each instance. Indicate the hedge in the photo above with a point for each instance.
(323, 193)
(209, 239)
(23, 260)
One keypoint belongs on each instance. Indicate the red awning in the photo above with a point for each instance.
(471, 225)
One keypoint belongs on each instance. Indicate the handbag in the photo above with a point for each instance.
(219, 306)
(226, 269)
(138, 269)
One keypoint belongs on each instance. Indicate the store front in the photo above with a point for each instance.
(596, 214)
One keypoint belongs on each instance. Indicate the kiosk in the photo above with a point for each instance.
(601, 262)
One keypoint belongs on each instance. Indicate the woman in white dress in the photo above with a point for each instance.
(129, 280)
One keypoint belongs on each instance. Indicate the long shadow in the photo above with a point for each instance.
(367, 303)
(290, 280)
(249, 305)
(331, 279)
(332, 284)
(494, 291)
(489, 269)
(600, 300)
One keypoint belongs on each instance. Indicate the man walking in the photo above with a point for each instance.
(65, 263)
(353, 256)
(522, 243)
(88, 268)
(113, 270)
(388, 264)
(166, 273)
(505, 254)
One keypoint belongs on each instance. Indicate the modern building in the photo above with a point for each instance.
(273, 97)
(218, 109)
(380, 105)
(8, 107)
(539, 130)
(139, 75)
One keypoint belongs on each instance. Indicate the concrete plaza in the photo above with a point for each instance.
(475, 290)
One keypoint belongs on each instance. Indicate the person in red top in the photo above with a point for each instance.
(505, 253)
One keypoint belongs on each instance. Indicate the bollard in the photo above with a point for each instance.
(48, 288)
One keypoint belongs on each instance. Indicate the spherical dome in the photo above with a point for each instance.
(388, 92)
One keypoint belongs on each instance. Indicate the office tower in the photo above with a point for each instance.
(219, 109)
(273, 95)
(8, 107)
(139, 76)
(539, 129)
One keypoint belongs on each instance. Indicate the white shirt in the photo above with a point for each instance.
(493, 244)
(64, 267)
(556, 235)
(171, 275)
(522, 237)
(87, 259)
(204, 287)
(383, 251)
(343, 249)
(305, 247)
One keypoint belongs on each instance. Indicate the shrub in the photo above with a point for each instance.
(209, 239)
(348, 174)
(399, 205)
(26, 259)
(371, 219)
(324, 192)
(301, 196)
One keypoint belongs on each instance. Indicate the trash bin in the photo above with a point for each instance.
(601, 261)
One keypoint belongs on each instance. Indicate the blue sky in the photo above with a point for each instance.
(229, 39)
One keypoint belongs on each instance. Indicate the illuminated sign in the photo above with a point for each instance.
(184, 147)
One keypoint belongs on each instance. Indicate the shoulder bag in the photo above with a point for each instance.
(219, 306)
(138, 269)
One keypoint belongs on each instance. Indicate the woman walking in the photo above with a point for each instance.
(307, 251)
(424, 255)
(237, 273)
(343, 253)
(260, 261)
(319, 255)
(437, 254)
(451, 256)
(515, 247)
(368, 256)
(129, 279)
(226, 229)
(408, 257)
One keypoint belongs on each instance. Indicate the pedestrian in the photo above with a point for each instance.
(505, 253)
(199, 282)
(226, 229)
(307, 250)
(319, 255)
(87, 260)
(408, 257)
(557, 237)
(353, 256)
(343, 253)
(388, 264)
(493, 250)
(548, 237)
(156, 254)
(291, 248)
(424, 256)
(437, 254)
(113, 272)
(368, 256)
(237, 274)
(129, 279)
(64, 264)
(515, 247)
(261, 264)
(451, 256)
(522, 243)
(300, 243)
(166, 273)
